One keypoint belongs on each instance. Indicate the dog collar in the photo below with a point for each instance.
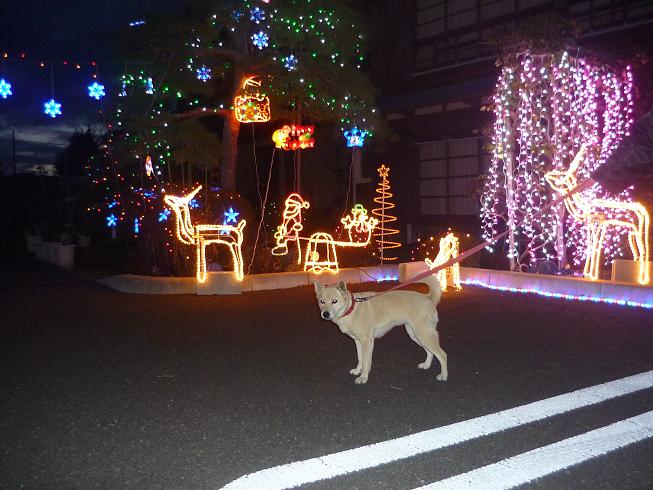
(351, 307)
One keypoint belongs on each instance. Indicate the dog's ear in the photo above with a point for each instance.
(342, 286)
(318, 287)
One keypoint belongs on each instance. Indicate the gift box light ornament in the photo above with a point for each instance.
(598, 215)
(251, 105)
(449, 249)
(294, 137)
(202, 235)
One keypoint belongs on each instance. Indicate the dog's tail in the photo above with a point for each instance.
(435, 291)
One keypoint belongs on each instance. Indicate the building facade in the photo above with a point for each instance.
(437, 72)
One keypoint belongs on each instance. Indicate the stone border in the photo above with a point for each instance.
(224, 283)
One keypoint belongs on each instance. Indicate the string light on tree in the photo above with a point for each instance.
(96, 90)
(52, 108)
(383, 231)
(545, 107)
(5, 88)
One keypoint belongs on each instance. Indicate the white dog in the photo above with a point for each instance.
(367, 319)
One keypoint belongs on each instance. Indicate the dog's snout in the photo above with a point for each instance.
(325, 315)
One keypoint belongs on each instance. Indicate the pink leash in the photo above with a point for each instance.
(478, 248)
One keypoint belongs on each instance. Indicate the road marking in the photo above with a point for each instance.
(329, 466)
(545, 460)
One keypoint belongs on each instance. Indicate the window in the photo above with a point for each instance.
(448, 175)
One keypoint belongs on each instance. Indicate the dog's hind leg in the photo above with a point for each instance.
(428, 338)
(429, 357)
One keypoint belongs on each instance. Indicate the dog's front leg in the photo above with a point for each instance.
(359, 367)
(367, 346)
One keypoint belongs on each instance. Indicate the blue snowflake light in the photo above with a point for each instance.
(260, 40)
(203, 73)
(257, 15)
(356, 137)
(193, 204)
(290, 62)
(163, 215)
(96, 90)
(112, 221)
(137, 226)
(52, 108)
(236, 15)
(149, 86)
(230, 216)
(5, 88)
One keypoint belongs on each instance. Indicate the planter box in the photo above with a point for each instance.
(65, 256)
(31, 241)
(51, 251)
(628, 270)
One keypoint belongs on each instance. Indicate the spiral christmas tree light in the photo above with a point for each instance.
(383, 231)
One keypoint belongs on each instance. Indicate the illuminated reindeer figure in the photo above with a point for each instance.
(289, 230)
(206, 234)
(448, 250)
(594, 214)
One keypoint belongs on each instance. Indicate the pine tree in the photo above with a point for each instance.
(383, 231)
(307, 55)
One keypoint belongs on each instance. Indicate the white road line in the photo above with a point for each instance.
(332, 465)
(545, 460)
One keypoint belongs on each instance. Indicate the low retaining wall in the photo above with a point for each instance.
(555, 286)
(561, 287)
(224, 283)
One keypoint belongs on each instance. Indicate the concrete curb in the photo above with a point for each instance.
(224, 283)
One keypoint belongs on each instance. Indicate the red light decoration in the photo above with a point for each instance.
(294, 137)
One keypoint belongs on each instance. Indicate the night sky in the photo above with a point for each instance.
(57, 30)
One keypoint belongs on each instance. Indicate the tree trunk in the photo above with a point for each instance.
(229, 152)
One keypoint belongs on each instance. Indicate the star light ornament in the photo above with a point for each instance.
(355, 137)
(52, 108)
(260, 40)
(5, 88)
(203, 73)
(112, 221)
(230, 216)
(96, 90)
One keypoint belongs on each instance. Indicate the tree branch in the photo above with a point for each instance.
(231, 54)
(202, 111)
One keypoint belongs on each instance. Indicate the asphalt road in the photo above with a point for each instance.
(101, 389)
